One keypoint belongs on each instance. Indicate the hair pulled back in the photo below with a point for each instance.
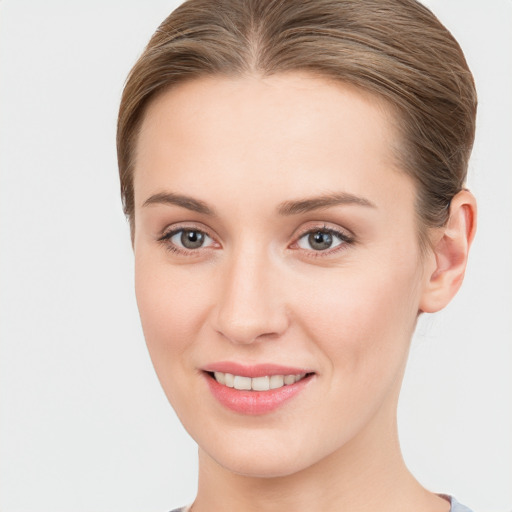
(395, 49)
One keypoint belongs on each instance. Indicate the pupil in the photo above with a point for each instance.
(320, 240)
(192, 239)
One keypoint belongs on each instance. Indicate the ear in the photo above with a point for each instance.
(445, 273)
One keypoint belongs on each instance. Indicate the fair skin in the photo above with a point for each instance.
(228, 163)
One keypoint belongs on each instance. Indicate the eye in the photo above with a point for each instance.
(322, 239)
(187, 238)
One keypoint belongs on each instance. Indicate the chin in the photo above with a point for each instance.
(263, 456)
(259, 466)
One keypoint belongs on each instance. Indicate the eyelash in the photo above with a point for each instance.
(165, 239)
(344, 239)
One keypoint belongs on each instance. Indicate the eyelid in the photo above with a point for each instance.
(346, 237)
(310, 227)
(164, 237)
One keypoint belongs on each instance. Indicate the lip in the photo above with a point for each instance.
(254, 403)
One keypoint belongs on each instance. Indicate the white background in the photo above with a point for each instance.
(84, 425)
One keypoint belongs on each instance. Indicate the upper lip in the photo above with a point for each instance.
(255, 370)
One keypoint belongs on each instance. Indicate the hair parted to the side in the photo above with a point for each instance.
(395, 49)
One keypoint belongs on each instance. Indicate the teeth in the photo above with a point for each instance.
(242, 382)
(256, 383)
(229, 380)
(220, 377)
(276, 381)
(289, 379)
(260, 383)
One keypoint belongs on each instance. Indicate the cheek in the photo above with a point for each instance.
(363, 319)
(172, 309)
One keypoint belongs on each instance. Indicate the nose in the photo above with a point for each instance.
(251, 306)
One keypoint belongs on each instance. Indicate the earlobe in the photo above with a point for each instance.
(450, 254)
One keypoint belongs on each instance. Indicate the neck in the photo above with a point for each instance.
(366, 474)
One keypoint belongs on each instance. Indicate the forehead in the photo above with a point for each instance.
(292, 132)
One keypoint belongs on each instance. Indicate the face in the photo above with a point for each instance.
(276, 251)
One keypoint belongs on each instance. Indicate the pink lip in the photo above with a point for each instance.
(257, 370)
(254, 402)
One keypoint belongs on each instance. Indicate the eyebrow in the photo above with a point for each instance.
(321, 202)
(285, 208)
(187, 202)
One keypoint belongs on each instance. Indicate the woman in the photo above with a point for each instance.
(293, 173)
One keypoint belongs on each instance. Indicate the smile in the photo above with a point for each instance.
(264, 383)
(255, 390)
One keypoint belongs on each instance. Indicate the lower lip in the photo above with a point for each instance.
(255, 402)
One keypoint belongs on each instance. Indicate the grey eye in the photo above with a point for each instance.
(190, 239)
(319, 240)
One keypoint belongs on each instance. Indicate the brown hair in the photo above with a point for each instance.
(395, 49)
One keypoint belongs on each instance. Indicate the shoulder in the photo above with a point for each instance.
(457, 507)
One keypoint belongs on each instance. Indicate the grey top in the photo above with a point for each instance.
(455, 506)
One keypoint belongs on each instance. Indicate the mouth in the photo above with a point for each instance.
(255, 390)
(263, 383)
